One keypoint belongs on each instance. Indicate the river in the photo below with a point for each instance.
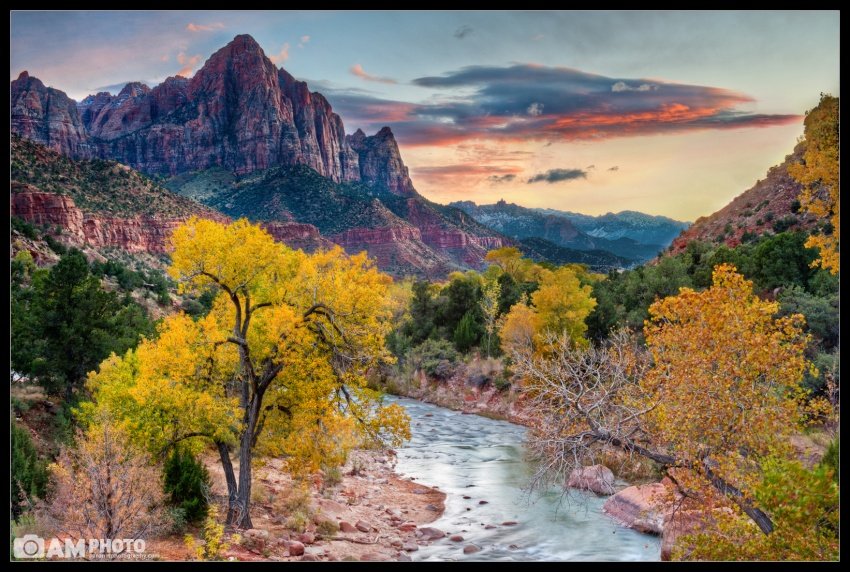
(469, 455)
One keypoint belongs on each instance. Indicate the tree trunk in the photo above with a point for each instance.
(229, 475)
(239, 502)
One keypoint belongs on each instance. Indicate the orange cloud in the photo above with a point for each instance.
(188, 63)
(281, 56)
(192, 27)
(358, 70)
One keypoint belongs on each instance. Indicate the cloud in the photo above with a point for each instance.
(463, 32)
(558, 175)
(471, 172)
(535, 109)
(188, 63)
(614, 168)
(501, 104)
(623, 86)
(497, 179)
(281, 56)
(303, 41)
(192, 27)
(358, 70)
(590, 167)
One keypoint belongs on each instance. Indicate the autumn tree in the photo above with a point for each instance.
(819, 176)
(510, 260)
(489, 304)
(560, 305)
(720, 393)
(106, 486)
(277, 367)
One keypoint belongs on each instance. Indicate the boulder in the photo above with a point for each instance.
(471, 549)
(362, 526)
(345, 526)
(596, 478)
(430, 533)
(255, 539)
(640, 507)
(296, 548)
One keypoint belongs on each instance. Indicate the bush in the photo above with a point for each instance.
(29, 474)
(176, 519)
(23, 227)
(327, 528)
(437, 358)
(831, 458)
(55, 245)
(187, 482)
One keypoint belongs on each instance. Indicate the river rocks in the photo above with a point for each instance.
(393, 512)
(296, 548)
(345, 526)
(596, 478)
(310, 558)
(410, 546)
(363, 526)
(427, 533)
(456, 538)
(640, 507)
(490, 527)
(374, 557)
(483, 502)
(255, 539)
(307, 538)
(466, 497)
(402, 557)
(471, 549)
(510, 523)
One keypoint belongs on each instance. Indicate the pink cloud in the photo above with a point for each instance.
(358, 70)
(188, 62)
(192, 27)
(281, 56)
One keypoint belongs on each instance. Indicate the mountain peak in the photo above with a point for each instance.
(24, 75)
(244, 42)
(133, 89)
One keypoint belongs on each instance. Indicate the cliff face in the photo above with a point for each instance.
(47, 116)
(133, 234)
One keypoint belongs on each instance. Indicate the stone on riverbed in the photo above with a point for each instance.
(596, 478)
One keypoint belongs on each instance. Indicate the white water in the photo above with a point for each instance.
(483, 459)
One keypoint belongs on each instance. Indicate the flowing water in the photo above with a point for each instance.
(469, 455)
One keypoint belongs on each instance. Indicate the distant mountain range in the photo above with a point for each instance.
(631, 236)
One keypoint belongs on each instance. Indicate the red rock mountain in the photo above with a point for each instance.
(771, 204)
(242, 115)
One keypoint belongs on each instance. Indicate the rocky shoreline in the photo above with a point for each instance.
(375, 515)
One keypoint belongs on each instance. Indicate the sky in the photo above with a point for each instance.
(670, 113)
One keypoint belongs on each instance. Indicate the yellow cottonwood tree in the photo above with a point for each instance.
(278, 366)
(819, 176)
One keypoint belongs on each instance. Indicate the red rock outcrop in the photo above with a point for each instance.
(380, 161)
(641, 507)
(134, 234)
(47, 116)
(298, 235)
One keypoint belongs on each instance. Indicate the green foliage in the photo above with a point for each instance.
(55, 245)
(28, 473)
(187, 482)
(26, 229)
(803, 505)
(460, 297)
(467, 333)
(437, 358)
(832, 459)
(422, 309)
(64, 324)
(821, 312)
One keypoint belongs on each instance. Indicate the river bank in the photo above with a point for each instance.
(375, 514)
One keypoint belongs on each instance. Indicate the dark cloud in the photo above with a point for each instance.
(463, 32)
(533, 102)
(558, 175)
(501, 178)
(590, 167)
(614, 168)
